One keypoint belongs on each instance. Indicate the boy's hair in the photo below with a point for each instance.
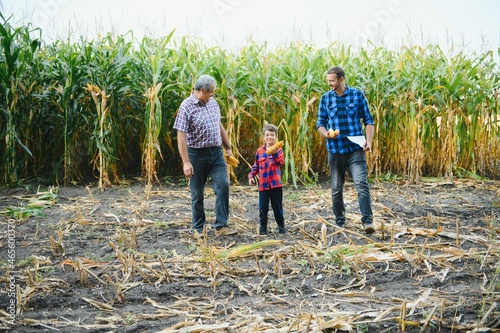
(270, 128)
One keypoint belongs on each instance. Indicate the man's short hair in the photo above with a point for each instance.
(337, 71)
(205, 82)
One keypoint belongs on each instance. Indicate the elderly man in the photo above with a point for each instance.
(200, 138)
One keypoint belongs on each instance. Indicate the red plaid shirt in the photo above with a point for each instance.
(268, 167)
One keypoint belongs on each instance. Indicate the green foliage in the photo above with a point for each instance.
(17, 52)
(436, 114)
(32, 205)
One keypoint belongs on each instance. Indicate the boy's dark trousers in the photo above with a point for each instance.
(275, 195)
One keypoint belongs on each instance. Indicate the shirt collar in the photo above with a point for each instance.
(194, 100)
(345, 92)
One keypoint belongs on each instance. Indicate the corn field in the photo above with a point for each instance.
(104, 109)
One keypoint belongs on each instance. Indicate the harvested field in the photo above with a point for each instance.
(120, 261)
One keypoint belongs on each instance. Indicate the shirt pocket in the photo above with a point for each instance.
(262, 162)
(332, 109)
(198, 121)
(352, 110)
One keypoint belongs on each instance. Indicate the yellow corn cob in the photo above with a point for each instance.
(232, 161)
(333, 134)
(274, 148)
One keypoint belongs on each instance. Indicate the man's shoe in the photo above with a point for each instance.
(369, 228)
(225, 231)
(198, 235)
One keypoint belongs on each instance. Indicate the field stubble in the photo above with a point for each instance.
(114, 261)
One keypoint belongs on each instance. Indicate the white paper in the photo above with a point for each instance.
(359, 139)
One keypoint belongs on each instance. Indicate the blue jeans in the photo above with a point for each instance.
(209, 162)
(356, 163)
(275, 195)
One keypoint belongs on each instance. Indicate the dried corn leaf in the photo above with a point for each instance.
(99, 305)
(247, 249)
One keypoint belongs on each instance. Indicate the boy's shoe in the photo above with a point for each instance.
(369, 228)
(281, 230)
(225, 231)
(262, 229)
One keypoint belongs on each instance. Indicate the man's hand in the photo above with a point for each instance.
(232, 161)
(188, 170)
(332, 134)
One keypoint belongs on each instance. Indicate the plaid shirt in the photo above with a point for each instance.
(268, 167)
(200, 122)
(343, 113)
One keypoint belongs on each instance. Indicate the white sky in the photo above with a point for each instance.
(457, 25)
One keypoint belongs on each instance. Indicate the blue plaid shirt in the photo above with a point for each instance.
(343, 113)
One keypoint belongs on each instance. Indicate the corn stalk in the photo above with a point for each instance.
(153, 127)
(16, 51)
(102, 129)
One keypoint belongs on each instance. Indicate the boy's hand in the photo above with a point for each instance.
(274, 148)
(251, 181)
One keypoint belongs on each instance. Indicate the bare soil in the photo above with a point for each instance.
(121, 260)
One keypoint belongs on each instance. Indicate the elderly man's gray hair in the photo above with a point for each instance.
(205, 82)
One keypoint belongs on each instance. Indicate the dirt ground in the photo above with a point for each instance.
(120, 261)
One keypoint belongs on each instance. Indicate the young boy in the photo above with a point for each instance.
(267, 166)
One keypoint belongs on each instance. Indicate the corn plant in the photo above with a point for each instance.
(435, 114)
(108, 67)
(17, 49)
(101, 129)
(150, 54)
(70, 67)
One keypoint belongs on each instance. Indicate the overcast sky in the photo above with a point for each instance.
(465, 25)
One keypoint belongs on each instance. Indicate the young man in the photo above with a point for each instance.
(345, 109)
(200, 135)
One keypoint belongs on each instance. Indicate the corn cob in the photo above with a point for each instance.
(274, 148)
(232, 161)
(333, 134)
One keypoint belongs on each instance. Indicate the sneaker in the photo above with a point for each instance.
(225, 231)
(282, 230)
(369, 228)
(262, 232)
